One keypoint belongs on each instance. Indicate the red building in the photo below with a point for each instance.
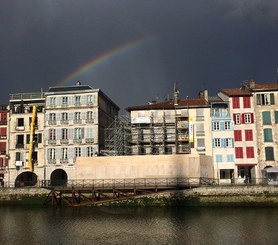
(3, 142)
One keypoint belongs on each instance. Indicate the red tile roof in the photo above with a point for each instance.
(271, 86)
(236, 92)
(169, 104)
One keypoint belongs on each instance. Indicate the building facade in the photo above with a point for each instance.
(75, 118)
(3, 143)
(245, 144)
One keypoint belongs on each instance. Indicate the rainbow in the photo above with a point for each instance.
(95, 62)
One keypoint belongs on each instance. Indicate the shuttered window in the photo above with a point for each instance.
(236, 102)
(237, 135)
(248, 134)
(250, 152)
(268, 135)
(269, 154)
(246, 102)
(266, 117)
(239, 152)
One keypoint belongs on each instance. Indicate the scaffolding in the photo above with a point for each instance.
(118, 137)
(148, 135)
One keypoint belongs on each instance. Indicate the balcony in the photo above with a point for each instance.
(90, 120)
(64, 161)
(77, 121)
(77, 141)
(52, 161)
(89, 140)
(19, 146)
(52, 142)
(200, 118)
(20, 128)
(52, 122)
(64, 141)
(64, 121)
(183, 138)
(3, 137)
(200, 133)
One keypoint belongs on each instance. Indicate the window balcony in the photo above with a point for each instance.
(52, 161)
(19, 146)
(77, 141)
(52, 122)
(90, 120)
(77, 121)
(64, 141)
(3, 137)
(64, 161)
(64, 121)
(200, 133)
(89, 140)
(3, 122)
(20, 128)
(2, 152)
(52, 142)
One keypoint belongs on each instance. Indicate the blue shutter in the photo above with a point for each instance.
(276, 116)
(266, 118)
(223, 145)
(222, 126)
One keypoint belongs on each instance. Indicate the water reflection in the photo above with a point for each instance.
(106, 225)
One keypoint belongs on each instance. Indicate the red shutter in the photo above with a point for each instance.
(234, 118)
(242, 118)
(246, 102)
(239, 152)
(248, 135)
(235, 102)
(250, 152)
(3, 146)
(252, 117)
(237, 134)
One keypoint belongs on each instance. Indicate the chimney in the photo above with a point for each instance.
(252, 83)
(203, 94)
(176, 95)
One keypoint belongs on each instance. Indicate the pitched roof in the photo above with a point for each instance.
(236, 92)
(169, 104)
(270, 86)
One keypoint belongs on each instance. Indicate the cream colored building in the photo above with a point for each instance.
(19, 125)
(75, 118)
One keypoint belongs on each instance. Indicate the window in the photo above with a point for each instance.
(20, 141)
(246, 102)
(64, 101)
(230, 158)
(268, 135)
(227, 125)
(265, 99)
(237, 118)
(78, 133)
(52, 153)
(52, 134)
(235, 102)
(64, 133)
(248, 134)
(64, 153)
(64, 116)
(20, 122)
(218, 158)
(228, 142)
(90, 115)
(247, 118)
(266, 117)
(77, 100)
(90, 99)
(17, 156)
(77, 152)
(216, 126)
(199, 114)
(239, 152)
(225, 173)
(269, 154)
(90, 151)
(52, 117)
(52, 101)
(250, 152)
(237, 135)
(217, 142)
(77, 116)
(200, 142)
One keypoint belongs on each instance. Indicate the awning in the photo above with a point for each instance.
(246, 164)
(271, 170)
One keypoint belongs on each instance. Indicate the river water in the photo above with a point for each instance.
(148, 225)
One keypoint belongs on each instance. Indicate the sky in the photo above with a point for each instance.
(135, 50)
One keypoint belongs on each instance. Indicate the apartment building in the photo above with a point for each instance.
(75, 119)
(265, 100)
(25, 138)
(3, 143)
(242, 112)
(222, 135)
(171, 127)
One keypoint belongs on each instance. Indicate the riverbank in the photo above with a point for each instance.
(202, 196)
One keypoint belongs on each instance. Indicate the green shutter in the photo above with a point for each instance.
(276, 116)
(269, 154)
(268, 135)
(266, 118)
(272, 102)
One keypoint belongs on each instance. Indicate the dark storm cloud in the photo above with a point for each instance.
(198, 44)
